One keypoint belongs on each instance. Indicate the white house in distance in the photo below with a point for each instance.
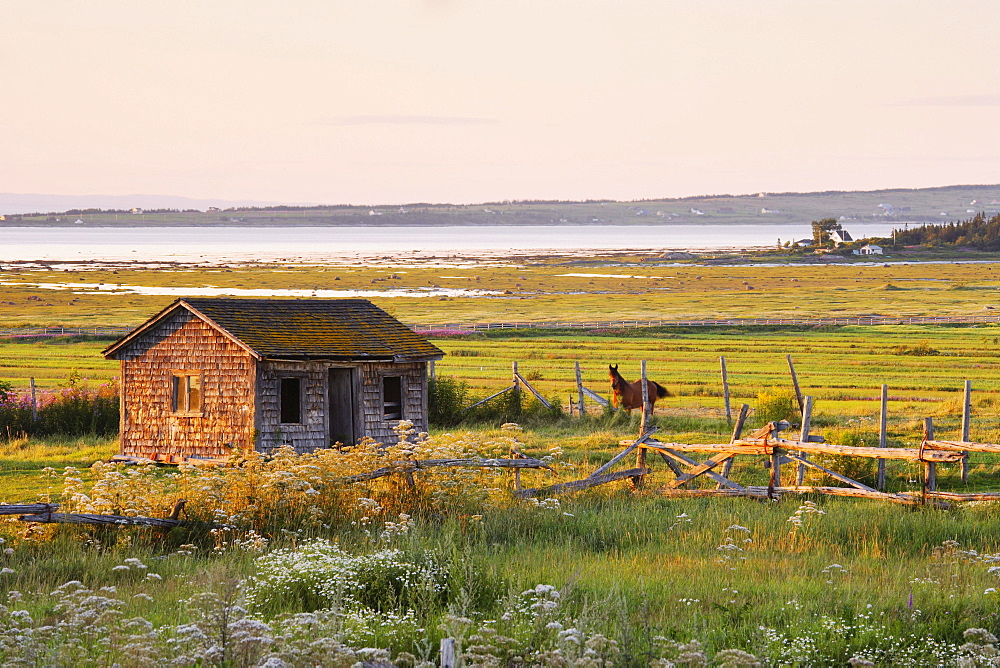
(870, 249)
(841, 237)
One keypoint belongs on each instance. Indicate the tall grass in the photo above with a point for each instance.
(647, 574)
(450, 404)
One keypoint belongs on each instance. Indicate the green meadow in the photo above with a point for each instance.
(800, 582)
(541, 289)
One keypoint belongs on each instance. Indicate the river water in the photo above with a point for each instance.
(210, 245)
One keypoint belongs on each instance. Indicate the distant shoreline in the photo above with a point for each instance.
(494, 225)
(894, 206)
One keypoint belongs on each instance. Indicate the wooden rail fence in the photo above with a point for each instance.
(781, 452)
(714, 322)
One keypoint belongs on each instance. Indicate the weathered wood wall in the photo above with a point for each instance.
(311, 432)
(414, 390)
(186, 343)
(314, 430)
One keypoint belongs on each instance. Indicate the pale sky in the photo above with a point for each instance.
(382, 101)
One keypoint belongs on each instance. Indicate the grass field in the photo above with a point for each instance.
(891, 585)
(842, 367)
(855, 579)
(540, 290)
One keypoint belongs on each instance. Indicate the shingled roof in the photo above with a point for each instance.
(302, 329)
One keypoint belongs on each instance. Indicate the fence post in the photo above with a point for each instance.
(882, 437)
(966, 428)
(581, 409)
(795, 382)
(640, 457)
(447, 653)
(930, 468)
(804, 437)
(725, 390)
(645, 401)
(34, 402)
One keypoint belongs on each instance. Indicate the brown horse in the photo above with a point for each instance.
(629, 395)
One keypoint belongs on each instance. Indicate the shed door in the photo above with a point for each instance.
(342, 406)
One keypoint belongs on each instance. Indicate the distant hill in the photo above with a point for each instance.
(921, 206)
(19, 203)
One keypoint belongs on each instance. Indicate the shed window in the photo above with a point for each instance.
(392, 397)
(291, 400)
(187, 393)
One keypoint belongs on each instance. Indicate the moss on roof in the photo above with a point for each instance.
(336, 329)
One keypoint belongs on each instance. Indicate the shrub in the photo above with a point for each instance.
(920, 349)
(508, 407)
(319, 574)
(775, 405)
(862, 469)
(75, 409)
(446, 399)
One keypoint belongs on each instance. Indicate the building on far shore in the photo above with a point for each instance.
(870, 249)
(841, 237)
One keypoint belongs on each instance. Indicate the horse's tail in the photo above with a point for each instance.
(661, 391)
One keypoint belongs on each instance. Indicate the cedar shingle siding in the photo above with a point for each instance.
(335, 352)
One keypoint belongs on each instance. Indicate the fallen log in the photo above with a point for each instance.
(46, 513)
(28, 508)
(958, 496)
(91, 518)
(577, 485)
(747, 493)
(906, 499)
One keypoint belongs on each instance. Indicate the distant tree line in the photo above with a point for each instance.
(980, 233)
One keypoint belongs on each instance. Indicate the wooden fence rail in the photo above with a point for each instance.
(47, 512)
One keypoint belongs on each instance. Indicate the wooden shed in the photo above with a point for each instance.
(206, 375)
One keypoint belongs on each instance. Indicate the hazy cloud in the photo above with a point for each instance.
(979, 100)
(412, 120)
